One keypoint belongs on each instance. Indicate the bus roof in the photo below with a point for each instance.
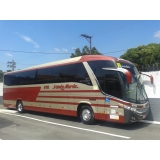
(71, 60)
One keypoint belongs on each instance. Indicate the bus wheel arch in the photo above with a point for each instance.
(20, 106)
(85, 113)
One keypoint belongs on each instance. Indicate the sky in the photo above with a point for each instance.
(31, 40)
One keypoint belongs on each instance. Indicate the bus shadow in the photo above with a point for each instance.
(51, 115)
(129, 126)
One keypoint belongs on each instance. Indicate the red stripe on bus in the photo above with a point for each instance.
(96, 57)
(51, 110)
(93, 91)
(55, 102)
(25, 93)
(71, 97)
(90, 98)
(73, 103)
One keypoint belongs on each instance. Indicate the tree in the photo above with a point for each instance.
(143, 55)
(1, 76)
(85, 51)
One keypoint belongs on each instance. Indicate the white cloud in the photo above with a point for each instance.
(74, 48)
(56, 49)
(27, 39)
(64, 49)
(8, 54)
(157, 34)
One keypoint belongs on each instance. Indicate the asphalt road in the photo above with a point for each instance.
(40, 126)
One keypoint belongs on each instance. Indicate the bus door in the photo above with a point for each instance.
(115, 86)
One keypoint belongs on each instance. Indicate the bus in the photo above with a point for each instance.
(90, 87)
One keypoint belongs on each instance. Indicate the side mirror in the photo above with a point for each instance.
(124, 71)
(148, 75)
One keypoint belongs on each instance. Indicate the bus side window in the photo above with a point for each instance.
(113, 86)
(77, 73)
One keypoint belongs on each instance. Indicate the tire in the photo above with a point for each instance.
(20, 107)
(87, 115)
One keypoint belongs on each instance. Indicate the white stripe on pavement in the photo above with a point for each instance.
(58, 124)
(152, 122)
(15, 111)
(8, 111)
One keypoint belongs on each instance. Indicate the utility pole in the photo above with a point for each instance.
(88, 39)
(11, 64)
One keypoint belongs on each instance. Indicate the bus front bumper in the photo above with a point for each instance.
(135, 115)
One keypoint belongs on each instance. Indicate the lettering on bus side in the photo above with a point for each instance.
(46, 87)
(67, 86)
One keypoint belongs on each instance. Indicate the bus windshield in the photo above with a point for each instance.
(136, 92)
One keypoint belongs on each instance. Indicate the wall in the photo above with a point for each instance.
(153, 92)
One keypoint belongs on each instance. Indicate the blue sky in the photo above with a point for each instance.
(59, 36)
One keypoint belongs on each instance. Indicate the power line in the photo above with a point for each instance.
(53, 53)
(108, 27)
(57, 53)
(33, 52)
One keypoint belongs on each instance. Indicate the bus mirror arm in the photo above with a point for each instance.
(148, 75)
(124, 71)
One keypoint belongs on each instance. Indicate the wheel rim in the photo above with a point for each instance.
(20, 107)
(86, 114)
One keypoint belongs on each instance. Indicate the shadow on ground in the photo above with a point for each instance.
(131, 126)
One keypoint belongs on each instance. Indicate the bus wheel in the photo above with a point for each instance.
(87, 115)
(20, 108)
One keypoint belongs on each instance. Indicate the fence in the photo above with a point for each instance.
(148, 68)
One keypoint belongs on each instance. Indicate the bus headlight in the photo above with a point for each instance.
(133, 109)
(127, 107)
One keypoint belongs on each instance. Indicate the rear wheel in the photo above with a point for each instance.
(20, 107)
(87, 115)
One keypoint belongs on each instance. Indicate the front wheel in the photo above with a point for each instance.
(87, 115)
(20, 107)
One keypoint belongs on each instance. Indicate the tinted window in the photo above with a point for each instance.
(44, 75)
(97, 66)
(77, 73)
(9, 80)
(28, 77)
(108, 80)
(21, 78)
(59, 74)
(111, 84)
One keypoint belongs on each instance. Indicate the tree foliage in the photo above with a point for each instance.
(143, 55)
(1, 76)
(85, 51)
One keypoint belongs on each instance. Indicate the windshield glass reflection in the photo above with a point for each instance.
(136, 92)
